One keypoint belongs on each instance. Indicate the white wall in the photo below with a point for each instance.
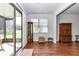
(24, 30)
(70, 18)
(60, 9)
(50, 25)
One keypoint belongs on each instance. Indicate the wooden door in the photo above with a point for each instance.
(65, 34)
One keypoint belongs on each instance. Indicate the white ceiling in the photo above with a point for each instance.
(40, 7)
(73, 10)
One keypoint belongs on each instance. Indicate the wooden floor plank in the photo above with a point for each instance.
(51, 49)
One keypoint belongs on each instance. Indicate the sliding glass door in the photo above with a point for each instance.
(10, 29)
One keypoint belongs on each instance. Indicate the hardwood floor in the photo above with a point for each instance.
(51, 49)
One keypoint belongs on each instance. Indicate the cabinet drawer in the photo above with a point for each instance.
(65, 38)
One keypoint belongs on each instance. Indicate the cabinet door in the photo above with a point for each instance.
(69, 30)
(65, 32)
(30, 32)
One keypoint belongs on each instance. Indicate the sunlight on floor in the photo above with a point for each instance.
(8, 49)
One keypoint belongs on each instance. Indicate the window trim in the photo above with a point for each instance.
(40, 25)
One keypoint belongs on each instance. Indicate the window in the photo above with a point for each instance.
(1, 27)
(35, 25)
(6, 28)
(40, 25)
(43, 25)
(9, 29)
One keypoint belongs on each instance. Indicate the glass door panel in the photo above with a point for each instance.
(18, 30)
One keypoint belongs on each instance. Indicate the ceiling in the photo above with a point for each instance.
(40, 7)
(73, 10)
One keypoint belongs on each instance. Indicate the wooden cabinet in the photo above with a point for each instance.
(30, 32)
(65, 32)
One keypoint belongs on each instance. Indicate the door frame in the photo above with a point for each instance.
(19, 9)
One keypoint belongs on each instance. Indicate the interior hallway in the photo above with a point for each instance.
(51, 49)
